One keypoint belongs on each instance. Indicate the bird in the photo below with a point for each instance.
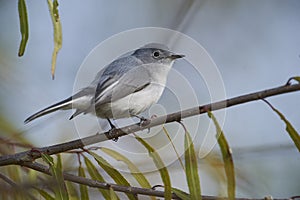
(124, 88)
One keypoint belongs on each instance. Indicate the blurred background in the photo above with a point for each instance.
(255, 45)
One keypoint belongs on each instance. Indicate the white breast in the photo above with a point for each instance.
(132, 104)
(137, 102)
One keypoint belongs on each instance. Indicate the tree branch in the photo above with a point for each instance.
(29, 156)
(8, 180)
(120, 188)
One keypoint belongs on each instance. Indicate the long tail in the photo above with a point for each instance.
(65, 104)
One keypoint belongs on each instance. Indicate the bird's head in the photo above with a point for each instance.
(156, 53)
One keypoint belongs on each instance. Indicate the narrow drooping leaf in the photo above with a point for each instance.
(72, 190)
(96, 176)
(14, 173)
(112, 172)
(141, 179)
(58, 162)
(181, 194)
(191, 167)
(60, 189)
(289, 127)
(57, 31)
(58, 171)
(45, 194)
(48, 159)
(24, 29)
(160, 166)
(113, 195)
(227, 158)
(84, 195)
(32, 175)
(177, 154)
(55, 10)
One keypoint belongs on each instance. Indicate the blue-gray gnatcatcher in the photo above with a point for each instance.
(124, 88)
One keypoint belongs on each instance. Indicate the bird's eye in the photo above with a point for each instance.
(156, 54)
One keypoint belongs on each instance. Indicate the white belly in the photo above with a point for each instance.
(132, 104)
(137, 102)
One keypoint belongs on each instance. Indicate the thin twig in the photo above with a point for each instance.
(120, 188)
(31, 155)
(8, 180)
(94, 183)
(16, 187)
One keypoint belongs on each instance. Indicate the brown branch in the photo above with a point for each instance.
(31, 155)
(8, 180)
(15, 186)
(127, 189)
(96, 184)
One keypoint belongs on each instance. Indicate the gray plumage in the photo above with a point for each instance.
(124, 88)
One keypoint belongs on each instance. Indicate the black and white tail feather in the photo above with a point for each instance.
(65, 104)
(81, 101)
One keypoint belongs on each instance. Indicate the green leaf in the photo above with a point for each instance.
(160, 166)
(62, 192)
(113, 195)
(181, 194)
(48, 159)
(112, 172)
(59, 163)
(60, 189)
(23, 26)
(177, 154)
(72, 190)
(96, 176)
(289, 128)
(53, 8)
(227, 158)
(136, 173)
(191, 167)
(83, 188)
(45, 194)
(14, 173)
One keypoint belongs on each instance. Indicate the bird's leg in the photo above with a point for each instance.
(111, 132)
(111, 124)
(143, 121)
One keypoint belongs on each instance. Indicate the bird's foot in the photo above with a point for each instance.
(112, 134)
(144, 121)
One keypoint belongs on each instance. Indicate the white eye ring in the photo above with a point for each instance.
(156, 54)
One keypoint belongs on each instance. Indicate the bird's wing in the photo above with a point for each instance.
(123, 82)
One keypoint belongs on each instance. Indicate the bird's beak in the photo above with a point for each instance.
(176, 56)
